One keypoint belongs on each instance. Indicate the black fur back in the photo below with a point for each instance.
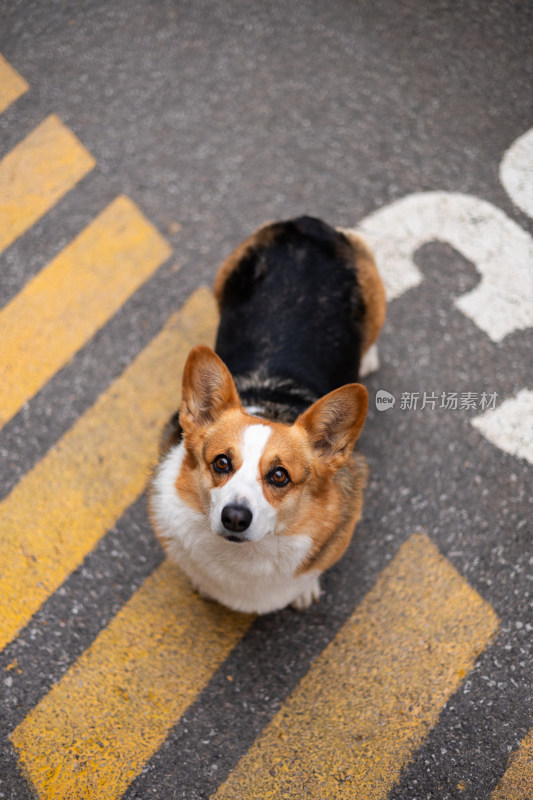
(292, 313)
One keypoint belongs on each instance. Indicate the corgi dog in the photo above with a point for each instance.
(258, 489)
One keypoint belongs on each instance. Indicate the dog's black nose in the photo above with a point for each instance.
(236, 519)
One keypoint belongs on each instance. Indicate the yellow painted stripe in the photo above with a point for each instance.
(63, 306)
(92, 734)
(517, 783)
(68, 501)
(36, 174)
(374, 693)
(12, 85)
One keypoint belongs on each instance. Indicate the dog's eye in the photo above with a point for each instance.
(279, 477)
(222, 463)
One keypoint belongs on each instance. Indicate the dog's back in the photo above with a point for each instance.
(293, 308)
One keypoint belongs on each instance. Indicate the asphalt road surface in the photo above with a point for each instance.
(139, 143)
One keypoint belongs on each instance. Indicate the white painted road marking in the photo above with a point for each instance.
(510, 426)
(516, 172)
(501, 251)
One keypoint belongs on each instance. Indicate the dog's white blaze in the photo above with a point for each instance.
(245, 487)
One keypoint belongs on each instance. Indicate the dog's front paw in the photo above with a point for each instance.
(307, 598)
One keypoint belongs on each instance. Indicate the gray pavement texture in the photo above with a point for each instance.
(219, 116)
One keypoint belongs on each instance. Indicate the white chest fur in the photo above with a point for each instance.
(255, 577)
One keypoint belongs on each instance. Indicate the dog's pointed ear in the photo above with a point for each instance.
(207, 390)
(334, 422)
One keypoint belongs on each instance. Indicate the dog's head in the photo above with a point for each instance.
(251, 477)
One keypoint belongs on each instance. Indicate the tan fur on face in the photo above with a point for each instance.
(322, 500)
(203, 445)
(286, 448)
